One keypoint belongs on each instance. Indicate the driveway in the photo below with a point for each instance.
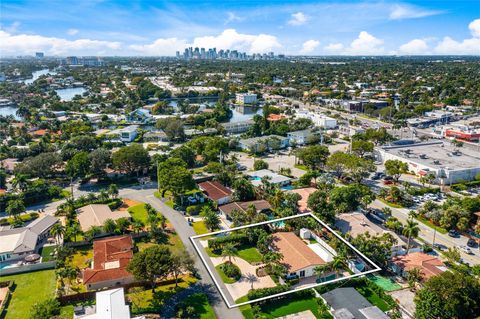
(248, 280)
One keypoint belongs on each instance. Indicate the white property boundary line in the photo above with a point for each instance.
(192, 239)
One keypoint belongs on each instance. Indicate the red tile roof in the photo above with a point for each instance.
(110, 259)
(429, 265)
(275, 117)
(214, 190)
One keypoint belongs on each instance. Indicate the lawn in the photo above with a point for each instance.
(431, 225)
(29, 288)
(144, 301)
(82, 256)
(284, 307)
(174, 242)
(248, 253)
(45, 252)
(202, 306)
(224, 277)
(139, 213)
(393, 205)
(200, 228)
(373, 297)
(301, 166)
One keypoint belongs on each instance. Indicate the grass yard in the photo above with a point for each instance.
(248, 253)
(393, 205)
(81, 257)
(373, 297)
(431, 225)
(45, 253)
(174, 242)
(284, 307)
(29, 288)
(139, 213)
(144, 301)
(202, 306)
(301, 166)
(200, 228)
(224, 277)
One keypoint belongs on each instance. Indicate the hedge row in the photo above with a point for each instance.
(265, 292)
(422, 191)
(218, 242)
(24, 218)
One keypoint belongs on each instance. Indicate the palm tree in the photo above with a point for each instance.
(137, 226)
(109, 226)
(93, 232)
(338, 262)
(162, 220)
(410, 230)
(20, 181)
(414, 276)
(57, 231)
(271, 259)
(321, 270)
(277, 199)
(75, 231)
(229, 251)
(113, 190)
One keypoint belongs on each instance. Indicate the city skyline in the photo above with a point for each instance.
(147, 28)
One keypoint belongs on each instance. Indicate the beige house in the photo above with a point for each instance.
(97, 214)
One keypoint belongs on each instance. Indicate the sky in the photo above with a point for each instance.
(301, 27)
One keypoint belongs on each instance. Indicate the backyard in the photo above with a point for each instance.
(248, 253)
(201, 305)
(29, 288)
(200, 228)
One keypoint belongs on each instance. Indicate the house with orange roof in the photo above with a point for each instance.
(110, 260)
(429, 266)
(276, 117)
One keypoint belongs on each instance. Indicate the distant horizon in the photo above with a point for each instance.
(302, 27)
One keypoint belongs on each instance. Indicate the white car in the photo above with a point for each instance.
(466, 250)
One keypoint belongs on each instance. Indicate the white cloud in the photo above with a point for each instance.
(466, 46)
(365, 44)
(474, 27)
(414, 47)
(309, 46)
(26, 44)
(334, 47)
(160, 47)
(232, 17)
(400, 11)
(72, 31)
(231, 39)
(298, 18)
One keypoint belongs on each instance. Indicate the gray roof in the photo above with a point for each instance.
(347, 301)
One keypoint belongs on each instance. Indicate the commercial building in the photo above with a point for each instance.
(246, 98)
(237, 127)
(110, 260)
(462, 133)
(303, 137)
(39, 55)
(17, 243)
(361, 105)
(431, 119)
(447, 163)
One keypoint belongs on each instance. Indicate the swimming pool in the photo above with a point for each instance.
(386, 284)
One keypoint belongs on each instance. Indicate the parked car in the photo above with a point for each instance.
(387, 182)
(453, 233)
(471, 242)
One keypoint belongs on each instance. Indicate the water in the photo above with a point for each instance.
(6, 111)
(37, 74)
(69, 93)
(237, 116)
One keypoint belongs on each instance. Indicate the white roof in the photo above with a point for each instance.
(274, 178)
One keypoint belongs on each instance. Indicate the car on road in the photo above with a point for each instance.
(471, 242)
(440, 247)
(466, 250)
(453, 233)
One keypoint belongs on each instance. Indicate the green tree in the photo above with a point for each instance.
(152, 264)
(131, 159)
(15, 207)
(173, 176)
(449, 295)
(78, 166)
(396, 168)
(210, 218)
(99, 159)
(244, 190)
(318, 202)
(113, 190)
(314, 156)
(57, 231)
(181, 263)
(410, 229)
(360, 147)
(229, 251)
(260, 164)
(109, 226)
(47, 309)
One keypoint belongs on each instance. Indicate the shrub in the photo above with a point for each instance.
(115, 203)
(264, 292)
(231, 270)
(217, 243)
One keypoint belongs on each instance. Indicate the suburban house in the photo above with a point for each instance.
(260, 205)
(273, 178)
(109, 267)
(299, 259)
(97, 214)
(347, 303)
(263, 143)
(155, 136)
(139, 116)
(110, 304)
(216, 192)
(304, 194)
(126, 134)
(237, 127)
(303, 137)
(429, 266)
(357, 223)
(17, 243)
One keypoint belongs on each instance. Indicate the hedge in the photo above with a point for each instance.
(423, 191)
(265, 292)
(24, 218)
(218, 242)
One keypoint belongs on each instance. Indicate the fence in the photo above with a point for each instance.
(28, 268)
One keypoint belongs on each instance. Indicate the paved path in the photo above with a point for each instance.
(248, 280)
(185, 231)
